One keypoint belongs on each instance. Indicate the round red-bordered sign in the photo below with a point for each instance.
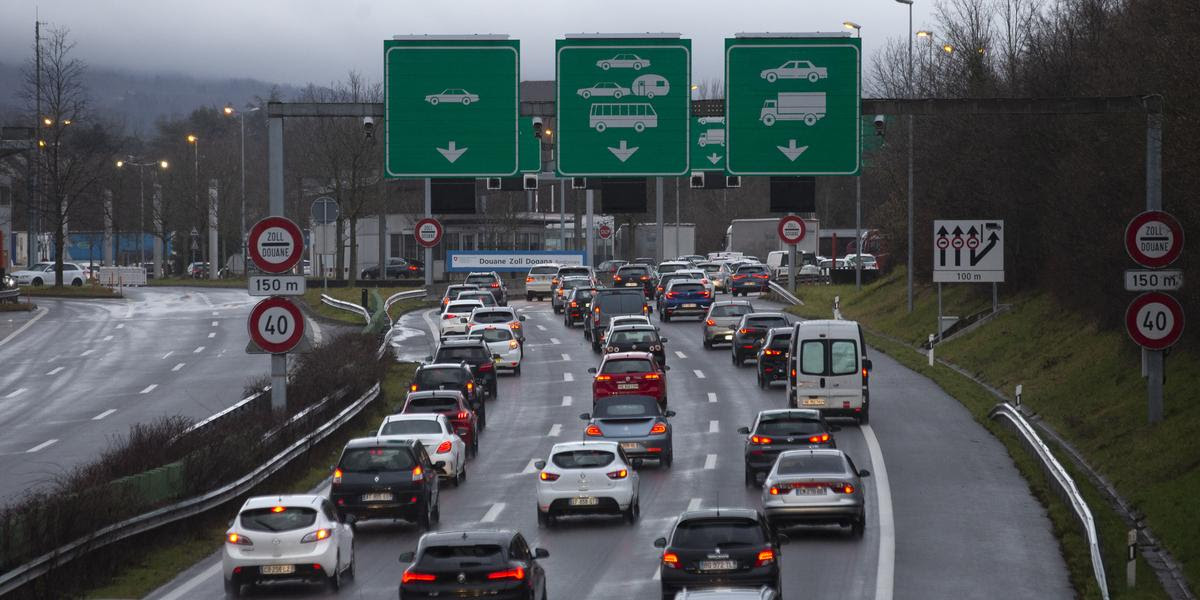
(428, 232)
(1154, 239)
(276, 244)
(276, 325)
(792, 229)
(604, 231)
(1154, 320)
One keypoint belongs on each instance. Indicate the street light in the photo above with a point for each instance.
(910, 159)
(852, 25)
(229, 111)
(195, 142)
(857, 194)
(948, 49)
(130, 162)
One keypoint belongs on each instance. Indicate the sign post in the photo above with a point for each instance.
(1154, 320)
(276, 325)
(792, 230)
(967, 251)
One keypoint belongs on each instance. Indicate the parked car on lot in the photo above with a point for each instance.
(43, 274)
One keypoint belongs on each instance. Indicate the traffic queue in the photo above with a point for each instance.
(790, 452)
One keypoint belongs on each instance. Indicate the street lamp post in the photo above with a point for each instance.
(195, 142)
(857, 193)
(910, 158)
(129, 162)
(229, 110)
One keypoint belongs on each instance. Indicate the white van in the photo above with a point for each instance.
(829, 369)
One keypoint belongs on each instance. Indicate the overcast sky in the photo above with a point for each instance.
(302, 41)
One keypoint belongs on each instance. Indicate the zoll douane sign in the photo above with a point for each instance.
(428, 232)
(276, 244)
(276, 325)
(1154, 239)
(791, 229)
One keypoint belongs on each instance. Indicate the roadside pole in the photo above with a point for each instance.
(1154, 358)
(677, 252)
(428, 251)
(660, 249)
(589, 242)
(275, 208)
(562, 216)
(858, 245)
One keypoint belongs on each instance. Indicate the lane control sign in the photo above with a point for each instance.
(276, 244)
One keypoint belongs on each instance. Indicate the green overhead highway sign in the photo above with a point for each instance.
(792, 105)
(624, 105)
(708, 144)
(451, 106)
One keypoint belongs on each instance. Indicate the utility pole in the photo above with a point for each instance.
(34, 215)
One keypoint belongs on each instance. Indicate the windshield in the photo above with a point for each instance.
(583, 459)
(713, 533)
(410, 427)
(360, 460)
(731, 310)
(805, 464)
(627, 365)
(278, 518)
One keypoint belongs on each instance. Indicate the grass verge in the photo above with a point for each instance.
(312, 297)
(191, 282)
(70, 291)
(17, 306)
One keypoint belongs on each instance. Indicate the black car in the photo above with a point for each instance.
(637, 338)
(774, 431)
(397, 268)
(456, 376)
(720, 547)
(577, 305)
(494, 564)
(475, 352)
(750, 333)
(749, 278)
(491, 282)
(378, 478)
(636, 276)
(773, 355)
(605, 304)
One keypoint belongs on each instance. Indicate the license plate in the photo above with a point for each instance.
(631, 285)
(689, 306)
(586, 501)
(627, 386)
(810, 491)
(277, 569)
(813, 402)
(631, 447)
(728, 336)
(718, 565)
(380, 497)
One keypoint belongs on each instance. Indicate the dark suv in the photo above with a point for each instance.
(493, 563)
(607, 303)
(491, 282)
(473, 351)
(397, 268)
(637, 276)
(773, 355)
(720, 547)
(457, 377)
(576, 307)
(750, 333)
(386, 479)
(778, 430)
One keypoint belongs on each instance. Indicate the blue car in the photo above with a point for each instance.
(684, 297)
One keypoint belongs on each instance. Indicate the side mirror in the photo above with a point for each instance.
(864, 473)
(782, 538)
(541, 553)
(636, 463)
(744, 430)
(539, 465)
(592, 370)
(663, 340)
(522, 317)
(660, 543)
(867, 364)
(666, 368)
(669, 414)
(585, 416)
(349, 519)
(407, 557)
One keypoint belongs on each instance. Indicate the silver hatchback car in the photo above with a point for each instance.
(723, 316)
(815, 487)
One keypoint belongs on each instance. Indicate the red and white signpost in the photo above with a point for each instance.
(428, 233)
(275, 324)
(604, 231)
(792, 231)
(1154, 320)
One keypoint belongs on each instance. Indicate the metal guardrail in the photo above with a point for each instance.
(784, 293)
(346, 306)
(398, 296)
(1064, 485)
(118, 531)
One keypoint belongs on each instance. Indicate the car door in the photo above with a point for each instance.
(345, 535)
(519, 551)
(431, 483)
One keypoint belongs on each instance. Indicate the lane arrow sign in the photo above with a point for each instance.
(992, 239)
(453, 152)
(622, 153)
(791, 151)
(714, 158)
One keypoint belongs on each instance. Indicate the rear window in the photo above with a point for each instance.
(410, 427)
(634, 336)
(752, 269)
(812, 357)
(273, 519)
(543, 270)
(583, 459)
(625, 406)
(480, 279)
(723, 532)
(687, 288)
(496, 335)
(637, 271)
(573, 272)
(665, 268)
(431, 405)
(710, 268)
(461, 353)
(454, 557)
(780, 342)
(843, 357)
(453, 291)
(803, 464)
(767, 322)
(358, 460)
(731, 310)
(491, 317)
(619, 303)
(627, 365)
(788, 426)
(484, 298)
(582, 294)
(570, 284)
(462, 307)
(441, 377)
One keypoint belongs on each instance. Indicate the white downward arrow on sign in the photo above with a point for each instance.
(791, 151)
(714, 158)
(452, 153)
(622, 153)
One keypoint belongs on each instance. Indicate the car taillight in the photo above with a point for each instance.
(659, 428)
(818, 439)
(644, 278)
(443, 447)
(593, 430)
(670, 294)
(769, 352)
(412, 388)
(449, 316)
(744, 331)
(670, 560)
(410, 576)
(485, 367)
(528, 280)
(704, 294)
(513, 344)
(574, 304)
(651, 376)
(337, 475)
(470, 386)
(776, 491)
(315, 536)
(840, 487)
(418, 474)
(548, 476)
(462, 414)
(495, 285)
(618, 474)
(765, 557)
(412, 267)
(660, 289)
(760, 440)
(738, 277)
(554, 281)
(710, 322)
(603, 377)
(616, 278)
(240, 540)
(761, 276)
(517, 573)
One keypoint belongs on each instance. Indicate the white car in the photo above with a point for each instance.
(539, 281)
(623, 61)
(586, 478)
(795, 69)
(436, 434)
(701, 276)
(604, 88)
(43, 274)
(627, 320)
(498, 315)
(455, 317)
(452, 95)
(868, 261)
(501, 342)
(287, 537)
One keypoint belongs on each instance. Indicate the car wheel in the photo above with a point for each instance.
(596, 347)
(859, 527)
(424, 520)
(668, 459)
(434, 101)
(528, 297)
(543, 519)
(708, 345)
(517, 369)
(664, 316)
(37, 282)
(633, 512)
(762, 384)
(771, 77)
(77, 283)
(233, 590)
(437, 513)
(334, 582)
(605, 66)
(474, 449)
(350, 572)
(734, 356)
(813, 77)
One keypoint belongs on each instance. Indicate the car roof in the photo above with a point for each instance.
(635, 327)
(284, 500)
(813, 452)
(624, 355)
(725, 593)
(792, 412)
(577, 278)
(464, 537)
(583, 445)
(718, 513)
(764, 314)
(367, 442)
(413, 417)
(442, 366)
(482, 273)
(732, 302)
(693, 280)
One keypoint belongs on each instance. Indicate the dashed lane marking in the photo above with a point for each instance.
(680, 354)
(120, 326)
(694, 504)
(712, 397)
(108, 338)
(555, 430)
(568, 377)
(169, 353)
(541, 328)
(212, 334)
(177, 367)
(41, 446)
(16, 392)
(699, 374)
(104, 414)
(198, 350)
(566, 356)
(215, 323)
(710, 462)
(55, 371)
(566, 401)
(86, 352)
(714, 427)
(554, 341)
(149, 388)
(493, 513)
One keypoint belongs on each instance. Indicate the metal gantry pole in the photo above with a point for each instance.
(1154, 358)
(242, 237)
(660, 249)
(858, 245)
(589, 242)
(677, 251)
(910, 167)
(428, 251)
(275, 208)
(141, 218)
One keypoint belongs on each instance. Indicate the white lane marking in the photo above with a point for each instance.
(169, 353)
(212, 334)
(554, 341)
(694, 504)
(16, 392)
(41, 313)
(566, 401)
(529, 468)
(215, 313)
(699, 374)
(541, 327)
(710, 462)
(177, 367)
(198, 350)
(316, 328)
(492, 512)
(712, 397)
(680, 354)
(566, 356)
(149, 388)
(555, 430)
(120, 326)
(129, 311)
(568, 377)
(714, 427)
(184, 591)
(104, 414)
(108, 338)
(657, 573)
(886, 565)
(55, 371)
(40, 446)
(86, 352)
(215, 323)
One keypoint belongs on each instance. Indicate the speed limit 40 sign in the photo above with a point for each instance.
(276, 325)
(1154, 320)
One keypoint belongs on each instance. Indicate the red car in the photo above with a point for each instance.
(630, 373)
(452, 404)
